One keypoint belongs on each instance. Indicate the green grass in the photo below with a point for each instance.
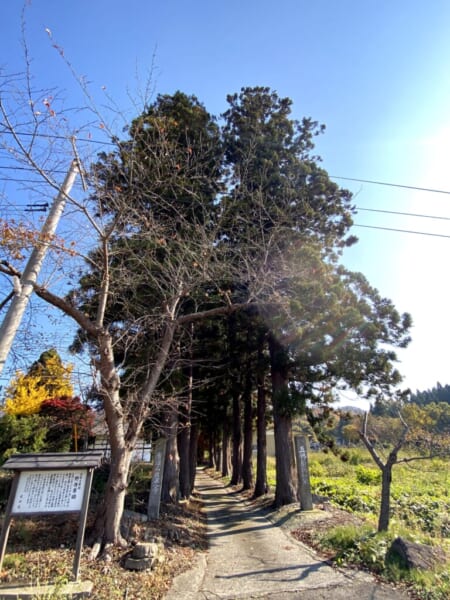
(420, 511)
(420, 497)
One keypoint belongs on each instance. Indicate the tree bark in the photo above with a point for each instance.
(226, 459)
(170, 485)
(247, 463)
(193, 448)
(211, 449)
(385, 505)
(217, 453)
(285, 491)
(183, 443)
(236, 459)
(109, 514)
(261, 485)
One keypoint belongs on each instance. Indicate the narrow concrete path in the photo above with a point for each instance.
(249, 557)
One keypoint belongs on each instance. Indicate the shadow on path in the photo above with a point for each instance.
(250, 557)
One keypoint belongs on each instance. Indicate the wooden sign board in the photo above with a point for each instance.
(50, 483)
(49, 492)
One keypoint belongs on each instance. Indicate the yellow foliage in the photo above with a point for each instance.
(46, 379)
(25, 395)
(56, 378)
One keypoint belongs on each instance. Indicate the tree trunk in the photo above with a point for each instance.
(193, 447)
(261, 486)
(226, 462)
(217, 453)
(183, 443)
(385, 505)
(285, 491)
(211, 449)
(110, 511)
(184, 435)
(170, 485)
(109, 514)
(236, 459)
(247, 466)
(386, 470)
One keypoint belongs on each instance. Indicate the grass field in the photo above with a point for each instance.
(420, 511)
(420, 493)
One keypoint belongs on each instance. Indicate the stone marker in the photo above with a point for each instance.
(154, 499)
(143, 556)
(304, 485)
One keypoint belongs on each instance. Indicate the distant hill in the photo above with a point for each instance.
(352, 409)
(439, 393)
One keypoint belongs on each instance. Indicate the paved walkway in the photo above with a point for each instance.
(249, 557)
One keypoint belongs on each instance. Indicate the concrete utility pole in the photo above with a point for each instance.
(24, 288)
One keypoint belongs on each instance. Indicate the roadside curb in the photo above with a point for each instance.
(187, 584)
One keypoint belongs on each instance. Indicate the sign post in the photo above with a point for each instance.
(304, 485)
(50, 483)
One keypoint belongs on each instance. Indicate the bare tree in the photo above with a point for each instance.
(386, 465)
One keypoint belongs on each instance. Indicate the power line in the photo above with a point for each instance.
(401, 230)
(14, 168)
(406, 214)
(396, 185)
(370, 181)
(56, 137)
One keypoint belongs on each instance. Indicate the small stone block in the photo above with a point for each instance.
(139, 564)
(145, 550)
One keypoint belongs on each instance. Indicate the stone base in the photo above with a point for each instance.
(80, 589)
(416, 556)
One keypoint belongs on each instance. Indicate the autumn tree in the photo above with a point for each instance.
(48, 377)
(40, 411)
(69, 422)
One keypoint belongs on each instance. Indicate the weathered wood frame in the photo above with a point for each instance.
(64, 462)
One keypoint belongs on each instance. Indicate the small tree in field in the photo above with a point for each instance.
(386, 464)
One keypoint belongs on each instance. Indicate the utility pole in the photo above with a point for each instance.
(30, 274)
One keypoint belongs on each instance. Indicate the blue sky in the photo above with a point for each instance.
(376, 72)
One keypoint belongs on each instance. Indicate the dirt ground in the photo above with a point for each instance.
(41, 550)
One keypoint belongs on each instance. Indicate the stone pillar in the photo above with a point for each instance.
(304, 485)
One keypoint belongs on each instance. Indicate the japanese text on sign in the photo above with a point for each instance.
(49, 491)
